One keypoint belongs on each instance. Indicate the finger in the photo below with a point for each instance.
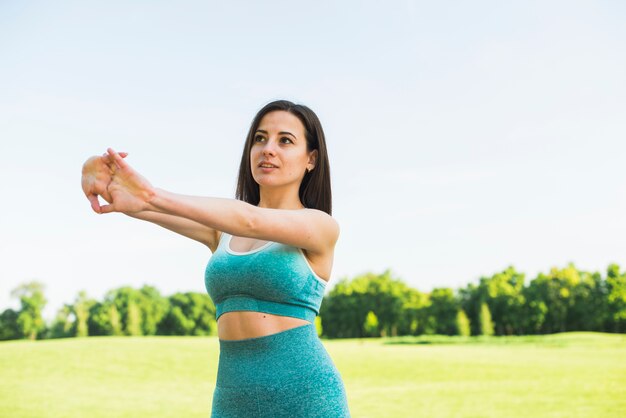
(107, 159)
(119, 161)
(108, 163)
(107, 208)
(111, 156)
(95, 204)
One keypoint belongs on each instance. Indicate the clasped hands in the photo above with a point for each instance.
(112, 178)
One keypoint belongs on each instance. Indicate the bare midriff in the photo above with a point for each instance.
(239, 325)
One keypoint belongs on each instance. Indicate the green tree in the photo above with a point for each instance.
(470, 299)
(9, 329)
(414, 314)
(371, 325)
(189, 313)
(99, 320)
(318, 326)
(29, 320)
(104, 319)
(462, 324)
(442, 310)
(348, 303)
(486, 324)
(150, 305)
(81, 307)
(551, 297)
(153, 308)
(381, 293)
(115, 320)
(63, 323)
(589, 308)
(535, 310)
(616, 299)
(503, 293)
(341, 311)
(133, 321)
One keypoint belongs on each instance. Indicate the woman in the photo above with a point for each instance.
(272, 257)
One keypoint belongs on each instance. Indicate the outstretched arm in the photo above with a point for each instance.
(95, 180)
(310, 229)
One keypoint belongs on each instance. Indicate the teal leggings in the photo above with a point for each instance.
(286, 374)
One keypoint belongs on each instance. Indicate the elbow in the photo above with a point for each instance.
(249, 220)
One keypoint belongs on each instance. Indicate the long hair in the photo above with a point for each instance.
(315, 189)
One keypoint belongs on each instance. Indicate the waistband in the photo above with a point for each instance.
(273, 360)
(246, 303)
(305, 332)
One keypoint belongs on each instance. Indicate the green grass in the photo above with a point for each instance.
(562, 375)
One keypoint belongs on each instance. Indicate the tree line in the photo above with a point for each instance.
(368, 305)
(565, 299)
(123, 311)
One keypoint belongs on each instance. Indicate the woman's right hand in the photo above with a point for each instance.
(129, 191)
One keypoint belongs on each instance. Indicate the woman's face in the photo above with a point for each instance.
(279, 155)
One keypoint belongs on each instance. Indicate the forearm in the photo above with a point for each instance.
(229, 215)
(182, 226)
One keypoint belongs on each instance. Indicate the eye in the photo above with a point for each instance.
(259, 138)
(286, 140)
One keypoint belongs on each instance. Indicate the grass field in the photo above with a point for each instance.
(563, 375)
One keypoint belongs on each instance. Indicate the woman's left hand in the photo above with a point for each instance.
(95, 179)
(130, 192)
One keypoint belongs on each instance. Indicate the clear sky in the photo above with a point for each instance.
(463, 136)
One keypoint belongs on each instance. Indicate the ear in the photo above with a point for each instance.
(312, 160)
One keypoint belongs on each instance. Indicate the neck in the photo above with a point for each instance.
(278, 199)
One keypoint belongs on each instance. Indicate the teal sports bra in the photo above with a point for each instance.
(274, 278)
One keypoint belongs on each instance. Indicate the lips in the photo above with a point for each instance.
(266, 164)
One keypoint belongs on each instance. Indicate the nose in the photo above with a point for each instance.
(269, 148)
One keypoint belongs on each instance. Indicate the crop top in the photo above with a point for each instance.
(274, 278)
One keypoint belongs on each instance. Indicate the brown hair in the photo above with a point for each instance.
(314, 190)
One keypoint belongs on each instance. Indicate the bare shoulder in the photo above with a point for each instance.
(322, 217)
(321, 261)
(324, 223)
